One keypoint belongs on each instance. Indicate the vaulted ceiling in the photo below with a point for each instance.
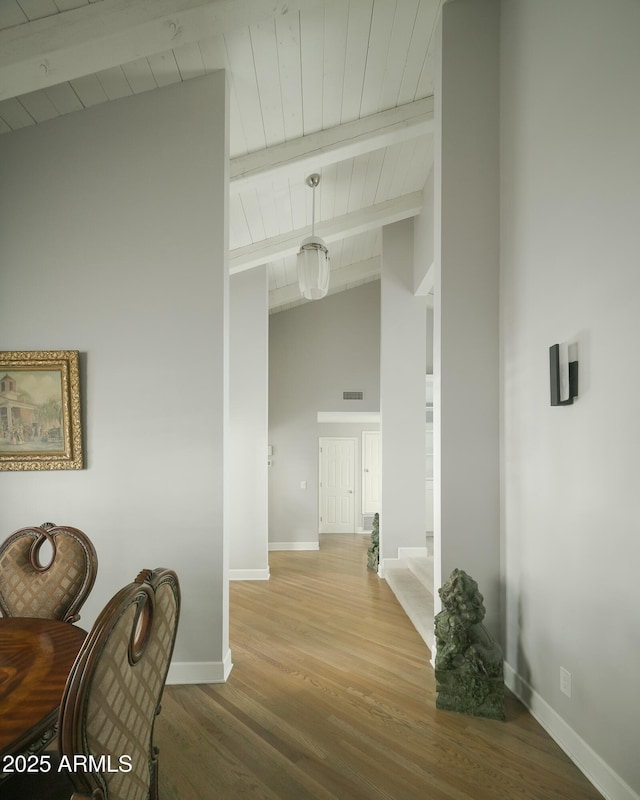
(339, 87)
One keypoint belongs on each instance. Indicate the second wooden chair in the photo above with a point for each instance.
(53, 590)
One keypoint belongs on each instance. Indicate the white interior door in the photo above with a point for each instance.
(370, 472)
(337, 484)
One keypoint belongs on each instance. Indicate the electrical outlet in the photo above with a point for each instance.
(565, 681)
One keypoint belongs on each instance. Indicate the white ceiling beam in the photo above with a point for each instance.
(97, 36)
(339, 143)
(341, 277)
(366, 219)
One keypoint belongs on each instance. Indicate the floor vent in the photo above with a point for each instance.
(352, 395)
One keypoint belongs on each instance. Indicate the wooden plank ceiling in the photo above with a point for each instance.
(339, 87)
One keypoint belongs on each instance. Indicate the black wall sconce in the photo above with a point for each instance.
(563, 374)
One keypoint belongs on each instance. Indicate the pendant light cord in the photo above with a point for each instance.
(313, 181)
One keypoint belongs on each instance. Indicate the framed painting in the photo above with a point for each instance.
(40, 410)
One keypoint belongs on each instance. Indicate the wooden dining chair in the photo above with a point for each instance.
(111, 700)
(55, 589)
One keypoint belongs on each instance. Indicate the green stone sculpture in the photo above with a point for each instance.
(373, 553)
(469, 663)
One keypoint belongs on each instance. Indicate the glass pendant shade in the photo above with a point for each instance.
(313, 258)
(313, 268)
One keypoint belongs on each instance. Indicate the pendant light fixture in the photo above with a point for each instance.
(313, 258)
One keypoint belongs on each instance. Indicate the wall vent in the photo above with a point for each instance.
(367, 522)
(352, 395)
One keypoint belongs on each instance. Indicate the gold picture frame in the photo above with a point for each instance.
(40, 424)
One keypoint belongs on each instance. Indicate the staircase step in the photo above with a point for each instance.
(422, 568)
(415, 599)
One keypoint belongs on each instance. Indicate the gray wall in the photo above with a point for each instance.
(316, 351)
(466, 331)
(403, 323)
(248, 424)
(570, 197)
(113, 243)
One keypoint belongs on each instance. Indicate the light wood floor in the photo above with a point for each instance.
(332, 697)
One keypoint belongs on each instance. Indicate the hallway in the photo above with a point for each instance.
(332, 698)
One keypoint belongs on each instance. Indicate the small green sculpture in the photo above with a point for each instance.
(373, 553)
(469, 664)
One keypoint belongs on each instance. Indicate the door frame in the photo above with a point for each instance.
(365, 434)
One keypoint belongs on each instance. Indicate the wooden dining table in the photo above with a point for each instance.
(36, 656)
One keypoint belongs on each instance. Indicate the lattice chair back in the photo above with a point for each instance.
(114, 690)
(54, 590)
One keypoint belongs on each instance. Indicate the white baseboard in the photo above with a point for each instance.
(249, 574)
(387, 562)
(294, 546)
(606, 781)
(200, 671)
